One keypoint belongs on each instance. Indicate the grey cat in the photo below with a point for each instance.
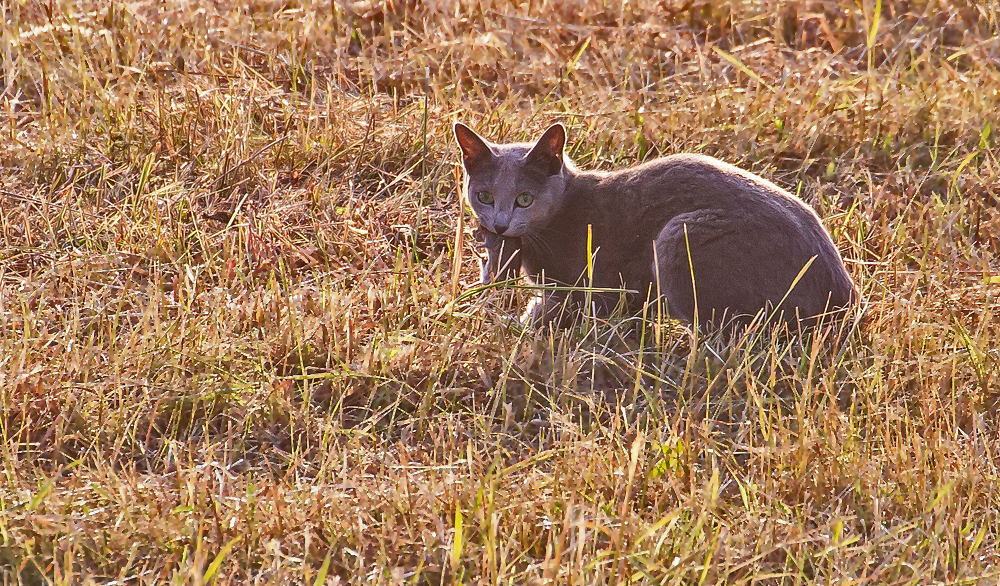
(744, 239)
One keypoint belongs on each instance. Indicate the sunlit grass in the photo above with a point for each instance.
(234, 345)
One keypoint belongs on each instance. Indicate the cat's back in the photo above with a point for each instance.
(702, 173)
(657, 190)
(745, 239)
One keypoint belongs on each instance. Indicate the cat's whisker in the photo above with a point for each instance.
(539, 245)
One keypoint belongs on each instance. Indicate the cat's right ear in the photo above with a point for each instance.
(475, 151)
(547, 154)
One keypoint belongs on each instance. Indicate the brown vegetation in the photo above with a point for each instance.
(232, 347)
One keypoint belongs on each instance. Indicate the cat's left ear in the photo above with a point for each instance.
(475, 151)
(547, 154)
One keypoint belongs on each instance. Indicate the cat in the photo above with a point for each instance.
(652, 227)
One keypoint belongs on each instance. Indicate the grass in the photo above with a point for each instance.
(235, 346)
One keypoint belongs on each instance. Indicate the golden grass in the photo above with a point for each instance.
(231, 351)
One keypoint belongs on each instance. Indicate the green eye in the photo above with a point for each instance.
(524, 200)
(485, 197)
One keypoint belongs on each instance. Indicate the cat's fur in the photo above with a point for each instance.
(503, 256)
(743, 238)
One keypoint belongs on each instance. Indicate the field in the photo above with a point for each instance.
(241, 339)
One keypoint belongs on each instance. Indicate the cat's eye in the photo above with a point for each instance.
(485, 197)
(524, 200)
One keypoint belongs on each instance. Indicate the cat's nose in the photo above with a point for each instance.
(500, 228)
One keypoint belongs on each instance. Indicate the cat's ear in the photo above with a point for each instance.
(475, 151)
(547, 154)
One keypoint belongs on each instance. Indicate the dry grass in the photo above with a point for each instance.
(230, 349)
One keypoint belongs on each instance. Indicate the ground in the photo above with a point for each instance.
(241, 340)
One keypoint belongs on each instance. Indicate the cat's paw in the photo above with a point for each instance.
(547, 310)
(485, 271)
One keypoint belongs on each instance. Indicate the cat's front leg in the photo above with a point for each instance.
(548, 308)
(503, 257)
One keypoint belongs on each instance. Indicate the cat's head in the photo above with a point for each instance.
(514, 189)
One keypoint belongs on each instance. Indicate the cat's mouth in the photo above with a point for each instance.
(509, 232)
